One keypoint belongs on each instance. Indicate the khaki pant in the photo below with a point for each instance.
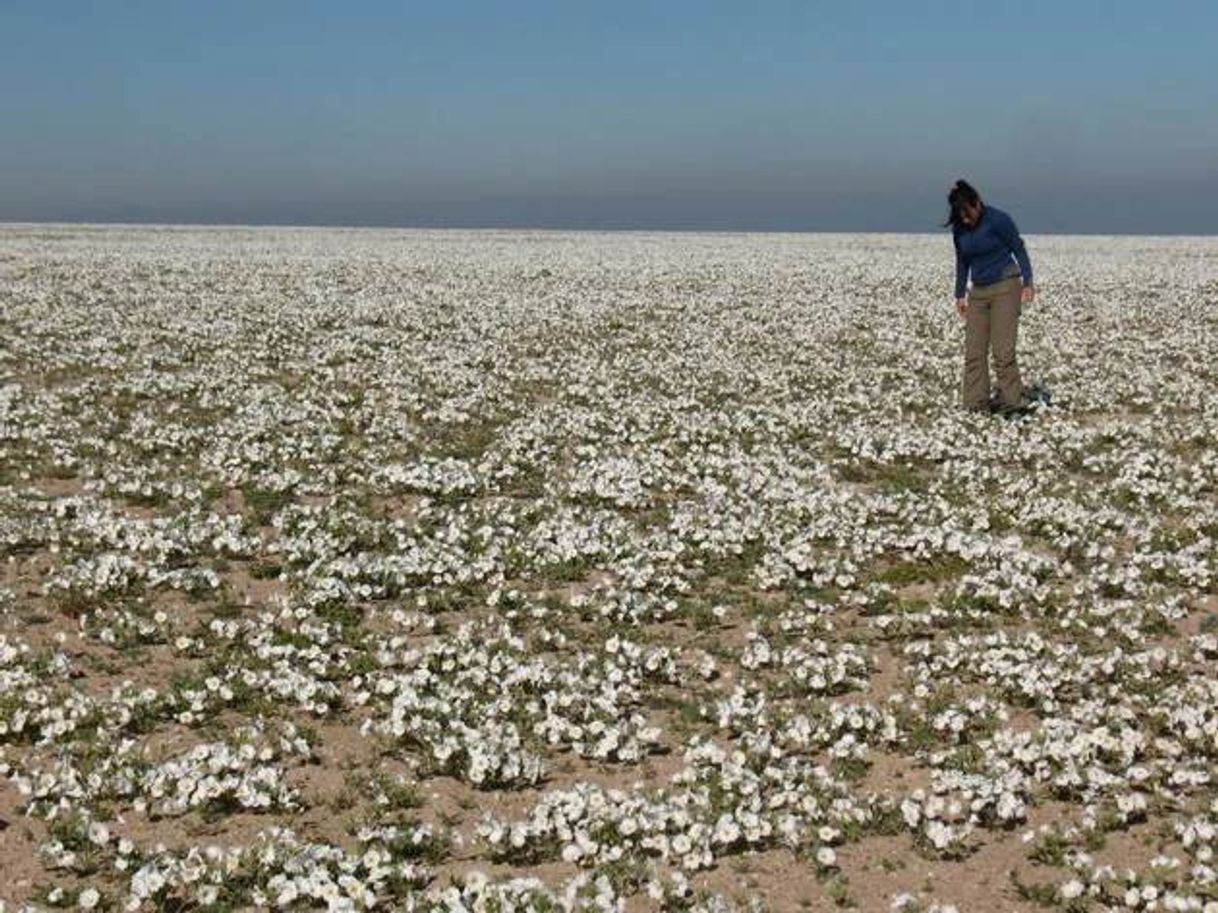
(992, 323)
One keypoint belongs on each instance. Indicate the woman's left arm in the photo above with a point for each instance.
(1010, 235)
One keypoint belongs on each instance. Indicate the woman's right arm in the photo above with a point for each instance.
(961, 278)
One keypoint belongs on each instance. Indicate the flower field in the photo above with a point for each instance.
(492, 571)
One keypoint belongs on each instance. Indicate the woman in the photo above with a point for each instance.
(989, 248)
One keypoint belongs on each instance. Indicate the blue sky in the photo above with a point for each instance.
(1073, 116)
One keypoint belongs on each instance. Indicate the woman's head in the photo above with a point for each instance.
(964, 205)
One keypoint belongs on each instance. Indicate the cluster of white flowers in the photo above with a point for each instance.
(118, 553)
(439, 477)
(582, 893)
(719, 803)
(218, 772)
(277, 869)
(241, 772)
(943, 824)
(622, 481)
(810, 666)
(33, 702)
(1165, 883)
(291, 658)
(483, 705)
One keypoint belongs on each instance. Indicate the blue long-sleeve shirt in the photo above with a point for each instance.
(986, 250)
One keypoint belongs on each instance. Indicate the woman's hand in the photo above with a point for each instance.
(962, 307)
(1028, 295)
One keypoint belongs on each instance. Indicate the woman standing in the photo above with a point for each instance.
(989, 248)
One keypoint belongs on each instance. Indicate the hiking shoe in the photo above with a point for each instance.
(1037, 393)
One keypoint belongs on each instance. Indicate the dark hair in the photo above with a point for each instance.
(961, 195)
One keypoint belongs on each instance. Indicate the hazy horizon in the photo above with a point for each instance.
(1087, 118)
(334, 226)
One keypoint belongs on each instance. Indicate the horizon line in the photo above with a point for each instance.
(558, 229)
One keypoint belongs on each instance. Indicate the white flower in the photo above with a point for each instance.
(572, 852)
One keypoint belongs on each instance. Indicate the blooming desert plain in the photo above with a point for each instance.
(540, 571)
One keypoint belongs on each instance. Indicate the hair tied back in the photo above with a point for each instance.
(962, 193)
